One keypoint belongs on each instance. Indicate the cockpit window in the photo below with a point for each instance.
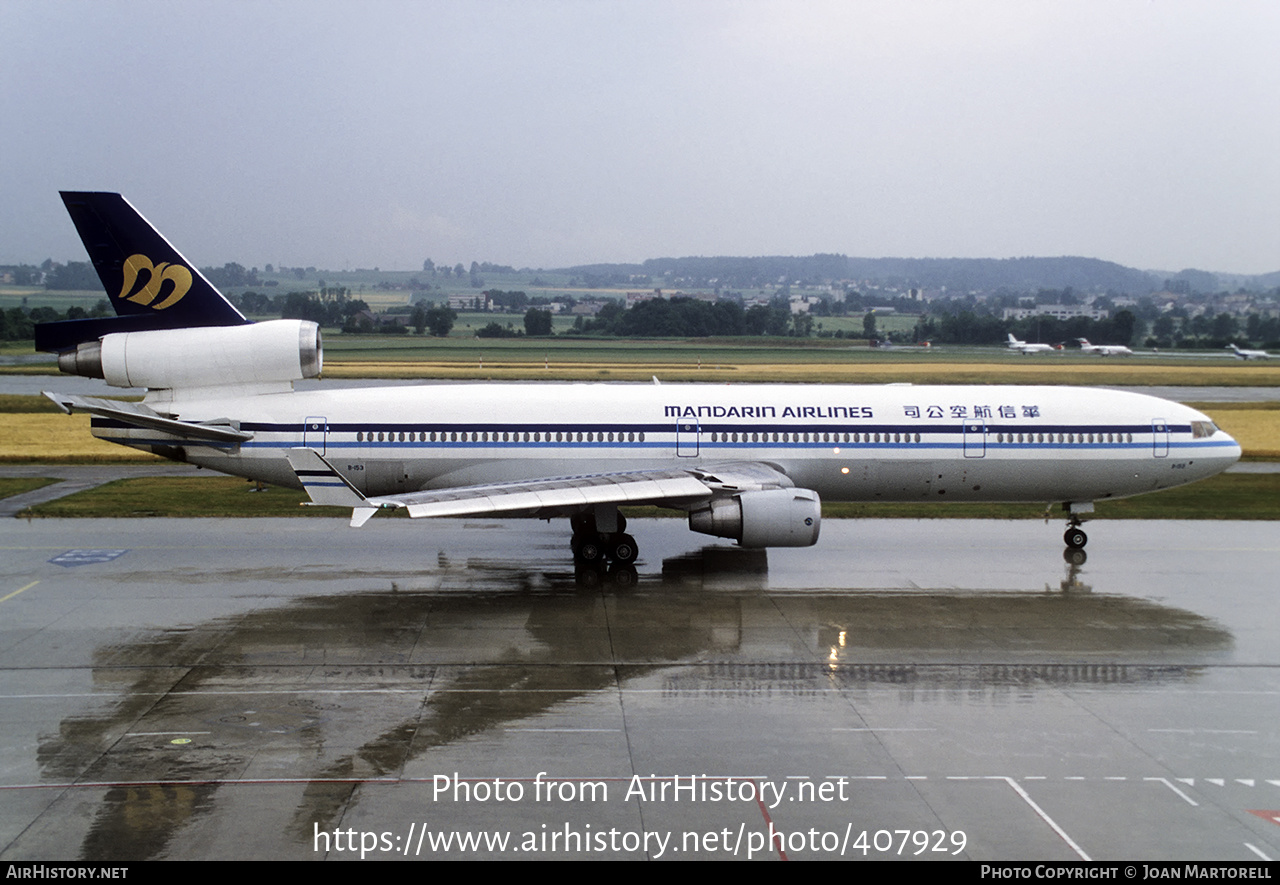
(1202, 429)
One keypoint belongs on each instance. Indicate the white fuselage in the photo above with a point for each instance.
(846, 442)
(1025, 348)
(1250, 354)
(1105, 349)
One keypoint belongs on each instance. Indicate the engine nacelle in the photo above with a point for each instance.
(257, 353)
(768, 518)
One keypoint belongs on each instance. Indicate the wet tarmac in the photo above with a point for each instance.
(919, 689)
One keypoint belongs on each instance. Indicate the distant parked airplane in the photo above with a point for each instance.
(1249, 354)
(1104, 349)
(1024, 347)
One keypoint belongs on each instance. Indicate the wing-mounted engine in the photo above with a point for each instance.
(262, 354)
(785, 517)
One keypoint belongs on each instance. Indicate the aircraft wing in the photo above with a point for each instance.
(563, 494)
(216, 434)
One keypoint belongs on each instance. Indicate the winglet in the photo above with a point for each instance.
(327, 487)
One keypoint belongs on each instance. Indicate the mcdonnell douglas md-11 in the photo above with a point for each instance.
(751, 462)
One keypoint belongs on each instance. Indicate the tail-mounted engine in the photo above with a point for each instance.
(257, 353)
(767, 518)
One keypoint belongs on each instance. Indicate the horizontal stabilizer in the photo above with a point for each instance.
(64, 335)
(217, 435)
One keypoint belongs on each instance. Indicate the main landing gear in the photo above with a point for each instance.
(602, 549)
(593, 546)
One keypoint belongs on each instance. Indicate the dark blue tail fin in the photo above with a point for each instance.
(150, 284)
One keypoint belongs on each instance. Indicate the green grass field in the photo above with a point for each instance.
(16, 485)
(810, 361)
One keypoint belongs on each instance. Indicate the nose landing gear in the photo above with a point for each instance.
(1074, 537)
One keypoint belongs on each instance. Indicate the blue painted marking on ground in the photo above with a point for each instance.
(86, 557)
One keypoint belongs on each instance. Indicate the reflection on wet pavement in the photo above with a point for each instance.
(315, 682)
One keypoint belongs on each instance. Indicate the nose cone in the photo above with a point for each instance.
(1231, 450)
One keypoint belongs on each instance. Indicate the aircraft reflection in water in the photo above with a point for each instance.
(533, 642)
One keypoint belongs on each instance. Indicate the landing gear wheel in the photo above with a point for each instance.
(588, 551)
(624, 549)
(1075, 538)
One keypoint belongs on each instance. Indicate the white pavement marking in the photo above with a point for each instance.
(1043, 816)
(1175, 789)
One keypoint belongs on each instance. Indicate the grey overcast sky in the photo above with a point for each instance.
(541, 133)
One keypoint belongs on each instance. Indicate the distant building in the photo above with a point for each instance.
(382, 319)
(471, 302)
(634, 298)
(1057, 311)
